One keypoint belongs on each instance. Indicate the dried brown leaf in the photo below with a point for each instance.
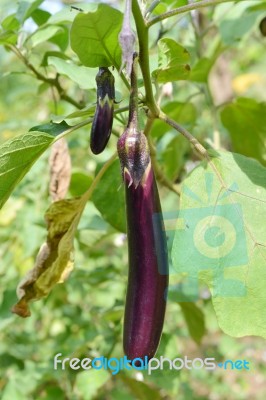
(55, 259)
(60, 170)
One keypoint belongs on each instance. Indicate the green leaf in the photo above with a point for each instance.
(94, 37)
(246, 124)
(233, 30)
(141, 390)
(14, 391)
(79, 74)
(79, 183)
(260, 6)
(16, 158)
(193, 315)
(194, 319)
(56, 54)
(44, 34)
(173, 62)
(61, 38)
(26, 8)
(8, 37)
(10, 23)
(67, 14)
(200, 71)
(220, 238)
(108, 197)
(52, 128)
(174, 154)
(86, 112)
(88, 382)
(184, 113)
(40, 17)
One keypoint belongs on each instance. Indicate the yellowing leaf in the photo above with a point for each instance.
(55, 258)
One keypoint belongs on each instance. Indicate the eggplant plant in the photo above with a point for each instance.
(189, 96)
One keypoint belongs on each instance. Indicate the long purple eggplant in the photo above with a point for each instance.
(147, 248)
(103, 118)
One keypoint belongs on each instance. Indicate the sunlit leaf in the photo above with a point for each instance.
(18, 155)
(245, 120)
(79, 74)
(94, 37)
(220, 238)
(173, 62)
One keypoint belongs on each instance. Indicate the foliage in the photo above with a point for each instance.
(203, 70)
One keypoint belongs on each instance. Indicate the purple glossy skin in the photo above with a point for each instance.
(148, 277)
(103, 119)
(101, 127)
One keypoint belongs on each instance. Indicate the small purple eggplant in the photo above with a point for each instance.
(103, 118)
(147, 248)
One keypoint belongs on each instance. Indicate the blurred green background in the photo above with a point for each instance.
(83, 317)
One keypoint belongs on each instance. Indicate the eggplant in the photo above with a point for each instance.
(103, 117)
(148, 269)
(147, 246)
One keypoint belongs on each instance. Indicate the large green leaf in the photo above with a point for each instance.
(94, 37)
(108, 197)
(173, 62)
(245, 120)
(79, 74)
(16, 158)
(220, 238)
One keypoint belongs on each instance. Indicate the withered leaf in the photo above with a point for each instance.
(60, 170)
(55, 259)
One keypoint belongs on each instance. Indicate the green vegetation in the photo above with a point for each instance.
(202, 107)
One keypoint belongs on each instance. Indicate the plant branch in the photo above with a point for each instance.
(184, 9)
(195, 143)
(156, 166)
(133, 102)
(51, 81)
(143, 36)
